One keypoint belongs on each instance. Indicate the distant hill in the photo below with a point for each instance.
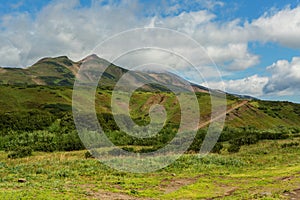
(47, 71)
(61, 71)
(47, 86)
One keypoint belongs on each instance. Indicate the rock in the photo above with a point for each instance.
(265, 194)
(22, 180)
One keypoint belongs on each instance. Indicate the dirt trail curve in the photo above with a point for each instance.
(201, 125)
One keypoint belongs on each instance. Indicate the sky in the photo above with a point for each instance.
(255, 44)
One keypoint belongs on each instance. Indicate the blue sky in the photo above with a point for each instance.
(255, 44)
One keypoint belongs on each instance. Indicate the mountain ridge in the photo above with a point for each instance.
(62, 71)
(47, 86)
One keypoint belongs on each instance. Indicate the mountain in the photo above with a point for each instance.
(61, 71)
(47, 86)
(47, 71)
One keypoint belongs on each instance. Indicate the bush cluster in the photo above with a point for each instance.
(52, 129)
(292, 144)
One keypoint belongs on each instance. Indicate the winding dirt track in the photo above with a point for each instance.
(201, 125)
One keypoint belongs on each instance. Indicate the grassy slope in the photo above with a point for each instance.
(262, 115)
(15, 99)
(47, 71)
(61, 71)
(261, 171)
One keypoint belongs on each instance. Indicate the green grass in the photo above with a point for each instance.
(260, 171)
(262, 115)
(265, 114)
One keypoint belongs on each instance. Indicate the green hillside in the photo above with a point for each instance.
(61, 71)
(47, 71)
(256, 156)
(260, 114)
(36, 109)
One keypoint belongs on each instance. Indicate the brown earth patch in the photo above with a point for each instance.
(2, 71)
(168, 186)
(286, 178)
(293, 195)
(107, 195)
(229, 110)
(229, 192)
(38, 81)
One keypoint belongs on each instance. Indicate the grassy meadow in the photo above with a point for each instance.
(266, 170)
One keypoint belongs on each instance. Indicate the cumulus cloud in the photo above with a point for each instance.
(285, 79)
(66, 28)
(63, 28)
(236, 56)
(252, 85)
(282, 27)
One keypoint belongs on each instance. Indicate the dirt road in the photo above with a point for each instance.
(203, 124)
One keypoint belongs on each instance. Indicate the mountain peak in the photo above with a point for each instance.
(90, 57)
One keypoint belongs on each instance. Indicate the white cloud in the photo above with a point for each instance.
(226, 43)
(282, 27)
(63, 28)
(252, 85)
(17, 4)
(186, 22)
(285, 79)
(235, 54)
(9, 53)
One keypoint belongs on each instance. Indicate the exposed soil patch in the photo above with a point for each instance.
(294, 195)
(155, 99)
(38, 81)
(228, 192)
(203, 124)
(107, 195)
(168, 186)
(74, 69)
(2, 71)
(286, 178)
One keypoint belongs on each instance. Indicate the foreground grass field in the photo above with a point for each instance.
(267, 170)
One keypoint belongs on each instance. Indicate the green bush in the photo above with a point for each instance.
(245, 140)
(233, 148)
(42, 141)
(291, 144)
(88, 154)
(217, 148)
(21, 152)
(69, 142)
(25, 121)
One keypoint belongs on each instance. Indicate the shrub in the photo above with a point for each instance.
(21, 152)
(233, 148)
(217, 148)
(25, 121)
(292, 144)
(245, 140)
(267, 135)
(88, 154)
(69, 142)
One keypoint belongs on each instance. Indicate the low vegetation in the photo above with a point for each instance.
(256, 156)
(263, 170)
